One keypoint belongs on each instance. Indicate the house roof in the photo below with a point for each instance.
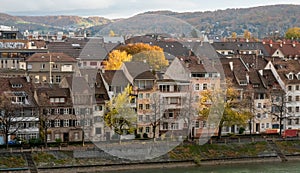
(94, 49)
(70, 46)
(115, 78)
(138, 69)
(289, 49)
(236, 47)
(46, 92)
(25, 88)
(199, 64)
(45, 57)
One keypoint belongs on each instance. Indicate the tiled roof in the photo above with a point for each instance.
(70, 46)
(45, 57)
(25, 86)
(285, 67)
(46, 92)
(115, 78)
(199, 64)
(94, 49)
(136, 68)
(290, 49)
(238, 46)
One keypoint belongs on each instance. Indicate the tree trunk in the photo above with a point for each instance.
(6, 140)
(220, 131)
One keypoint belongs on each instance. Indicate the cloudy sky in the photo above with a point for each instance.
(123, 8)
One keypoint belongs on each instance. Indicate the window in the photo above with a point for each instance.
(147, 95)
(147, 129)
(174, 126)
(297, 121)
(165, 126)
(57, 136)
(48, 137)
(290, 88)
(56, 124)
(297, 109)
(262, 125)
(97, 119)
(147, 106)
(171, 114)
(76, 136)
(173, 100)
(140, 117)
(58, 79)
(290, 109)
(205, 86)
(289, 121)
(66, 110)
(259, 105)
(147, 117)
(61, 100)
(54, 66)
(297, 87)
(140, 95)
(267, 125)
(290, 76)
(164, 88)
(66, 123)
(140, 106)
(297, 98)
(43, 66)
(197, 87)
(98, 108)
(98, 130)
(140, 129)
(258, 115)
(197, 125)
(289, 98)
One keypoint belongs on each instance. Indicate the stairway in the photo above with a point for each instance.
(31, 165)
(278, 151)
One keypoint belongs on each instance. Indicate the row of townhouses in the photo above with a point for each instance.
(61, 87)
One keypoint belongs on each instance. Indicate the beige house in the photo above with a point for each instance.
(50, 67)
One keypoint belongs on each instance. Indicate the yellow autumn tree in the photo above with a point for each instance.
(234, 35)
(121, 117)
(153, 55)
(293, 33)
(112, 33)
(225, 106)
(116, 58)
(247, 34)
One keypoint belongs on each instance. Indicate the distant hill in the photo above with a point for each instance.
(260, 21)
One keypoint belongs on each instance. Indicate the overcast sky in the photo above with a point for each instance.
(124, 8)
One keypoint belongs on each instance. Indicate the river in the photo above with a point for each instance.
(276, 167)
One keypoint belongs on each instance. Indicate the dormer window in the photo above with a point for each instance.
(57, 100)
(243, 82)
(290, 76)
(298, 76)
(16, 85)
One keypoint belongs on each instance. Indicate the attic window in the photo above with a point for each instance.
(255, 85)
(290, 76)
(16, 85)
(243, 82)
(57, 100)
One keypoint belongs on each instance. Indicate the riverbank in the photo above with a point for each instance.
(185, 155)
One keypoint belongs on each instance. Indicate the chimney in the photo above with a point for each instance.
(294, 44)
(261, 72)
(231, 65)
(271, 43)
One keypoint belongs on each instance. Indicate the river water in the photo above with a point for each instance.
(276, 167)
